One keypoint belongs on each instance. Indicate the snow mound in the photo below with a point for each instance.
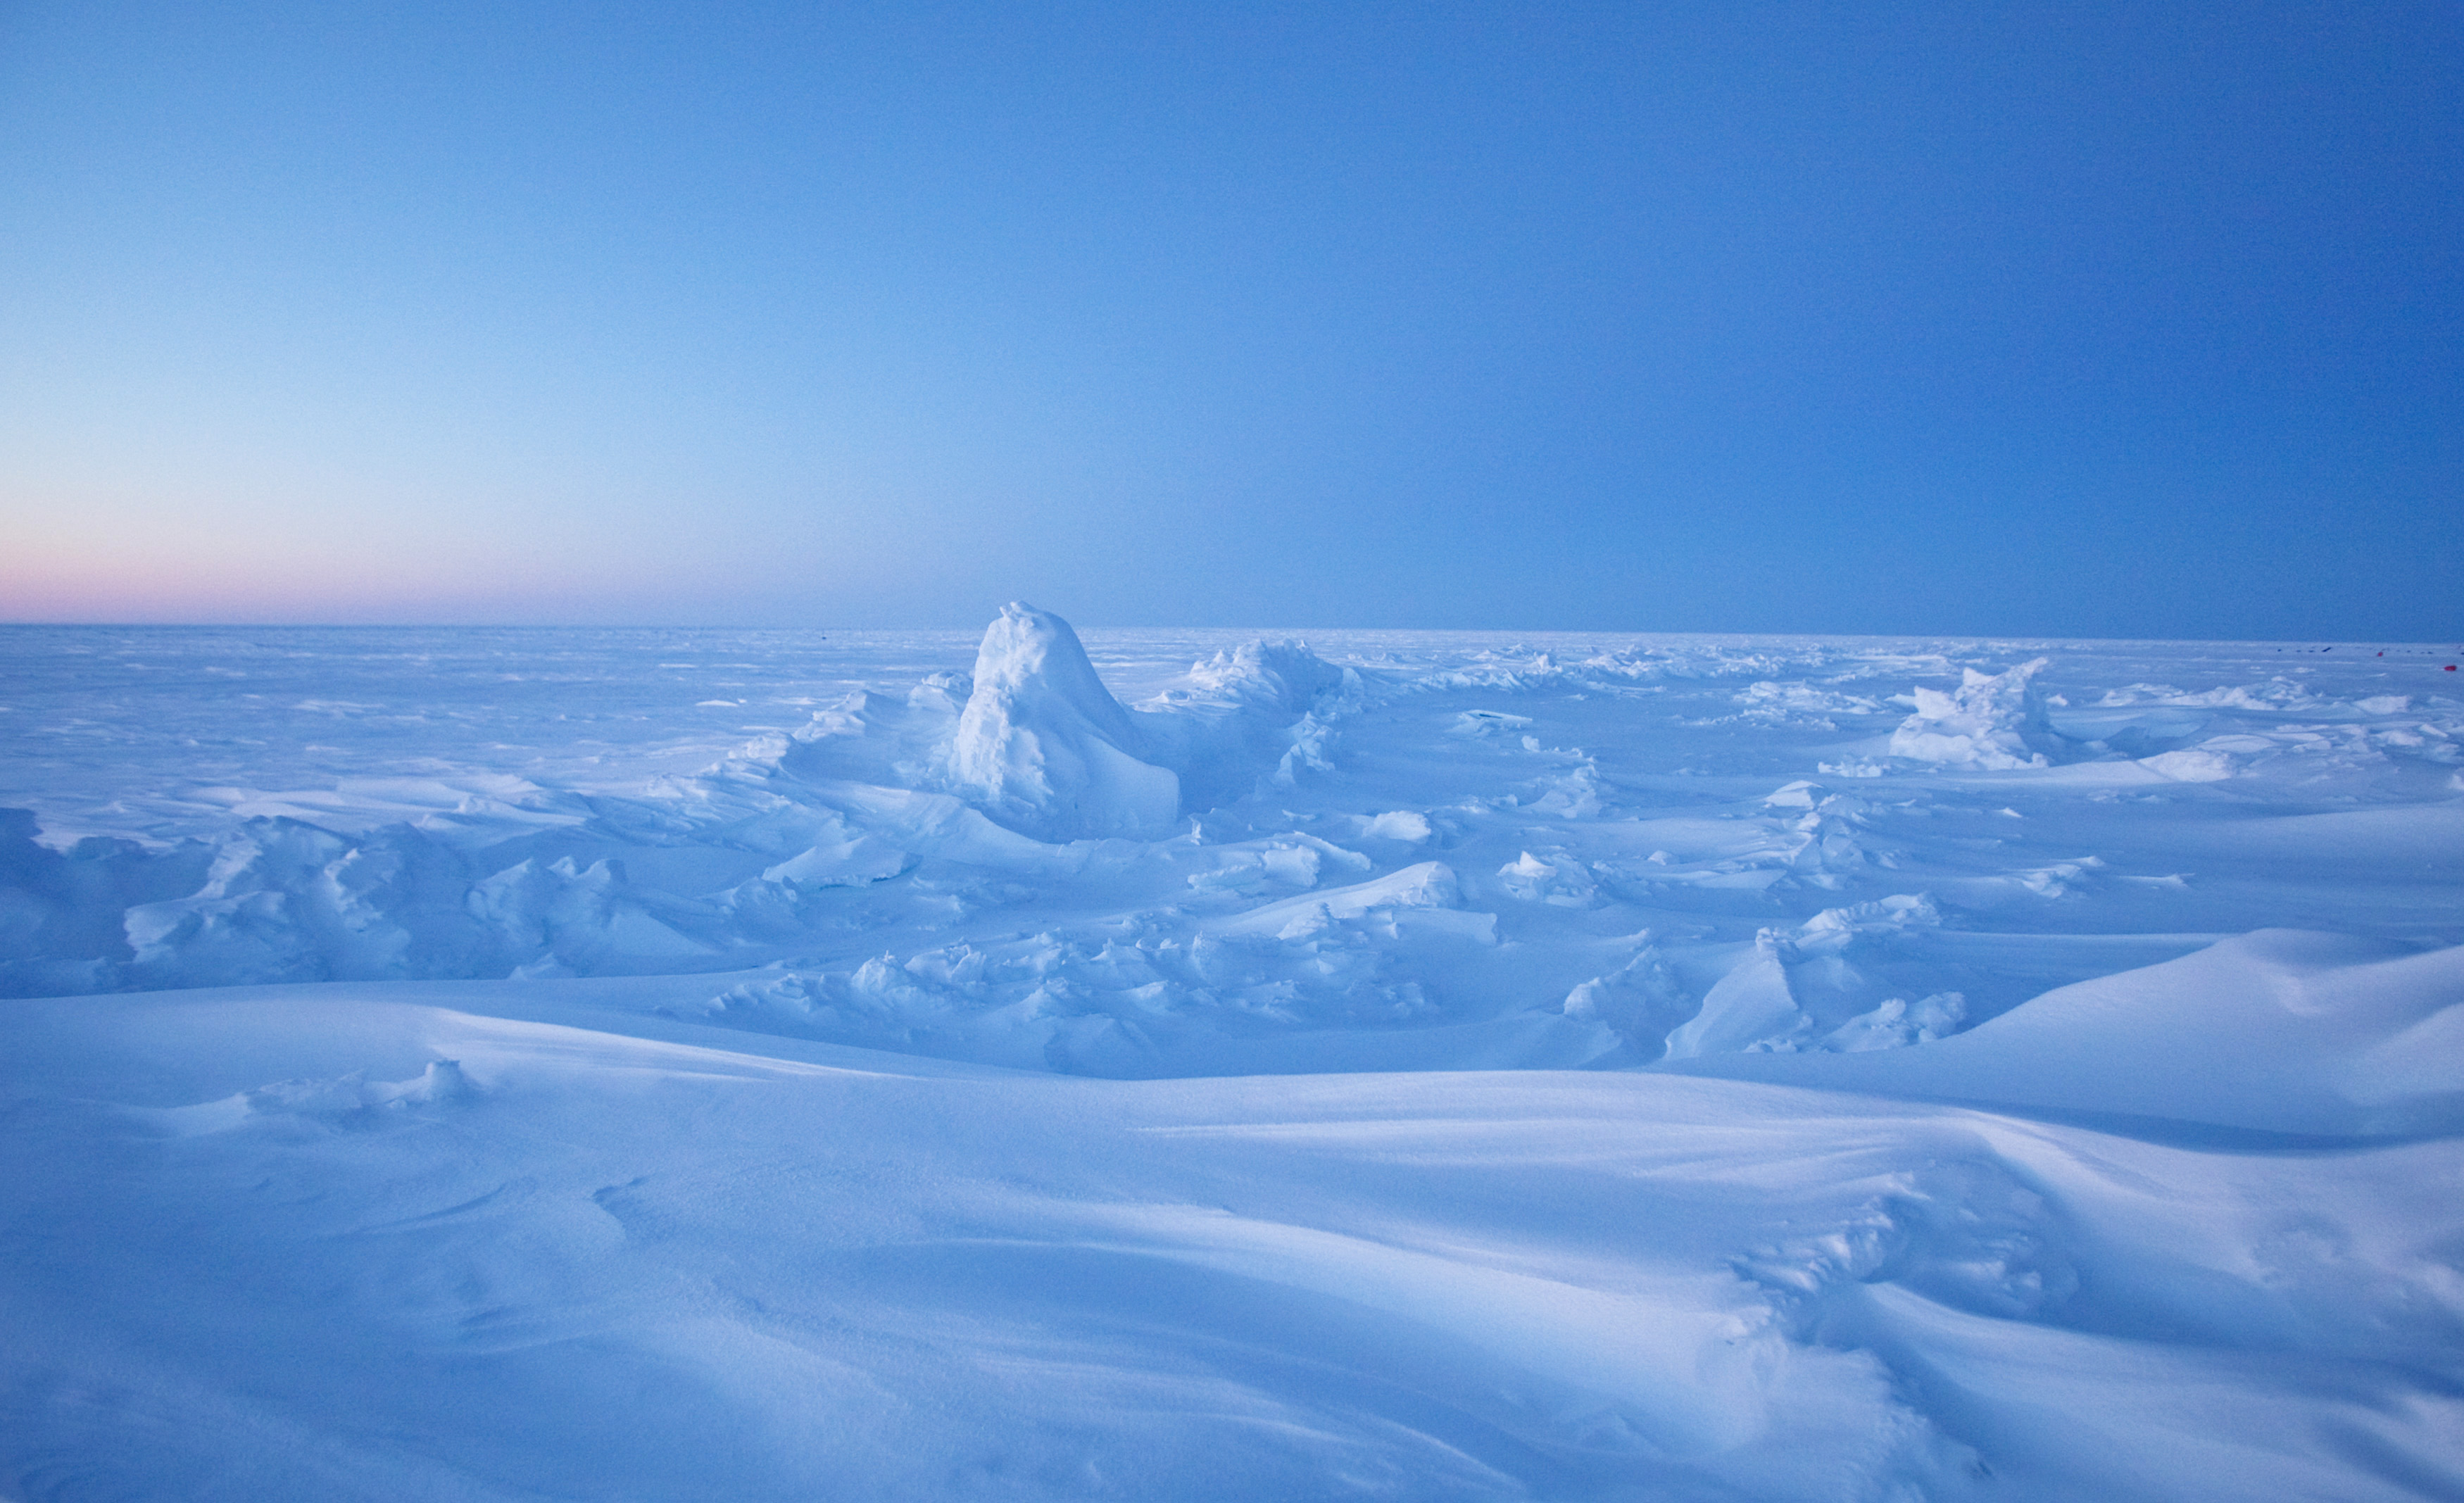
(1428, 885)
(1792, 989)
(1992, 722)
(1552, 878)
(1642, 1000)
(1261, 705)
(1275, 676)
(2279, 1029)
(1045, 748)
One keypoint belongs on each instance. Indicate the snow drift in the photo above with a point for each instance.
(2279, 1030)
(299, 1243)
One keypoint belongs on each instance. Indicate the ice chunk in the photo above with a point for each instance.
(2192, 765)
(580, 916)
(1264, 708)
(840, 858)
(1427, 890)
(1043, 747)
(1642, 1000)
(1276, 675)
(1832, 930)
(1752, 1005)
(1992, 722)
(1403, 825)
(1786, 990)
(1899, 1022)
(1285, 863)
(1485, 722)
(1798, 795)
(1558, 879)
(341, 1097)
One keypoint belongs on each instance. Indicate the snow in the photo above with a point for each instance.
(500, 1064)
(1045, 745)
(1991, 720)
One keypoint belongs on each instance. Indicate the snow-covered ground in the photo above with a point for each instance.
(470, 1064)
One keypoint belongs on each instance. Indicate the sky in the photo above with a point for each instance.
(2132, 319)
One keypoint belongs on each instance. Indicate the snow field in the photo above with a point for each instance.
(581, 1263)
(496, 1065)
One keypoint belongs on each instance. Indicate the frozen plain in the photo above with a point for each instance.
(467, 1064)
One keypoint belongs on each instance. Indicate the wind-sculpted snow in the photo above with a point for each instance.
(498, 1064)
(321, 1243)
(1044, 746)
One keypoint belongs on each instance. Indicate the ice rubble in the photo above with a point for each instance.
(999, 770)
(908, 818)
(644, 1104)
(1992, 722)
(964, 797)
(961, 798)
(1786, 993)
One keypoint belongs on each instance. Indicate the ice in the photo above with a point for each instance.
(1899, 1023)
(1991, 722)
(1044, 747)
(1553, 879)
(1186, 1064)
(1403, 825)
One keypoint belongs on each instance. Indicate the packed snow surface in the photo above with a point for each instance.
(479, 1065)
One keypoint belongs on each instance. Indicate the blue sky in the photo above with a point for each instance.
(2082, 319)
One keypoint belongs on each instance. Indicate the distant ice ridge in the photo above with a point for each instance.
(1239, 854)
(997, 772)
(2146, 733)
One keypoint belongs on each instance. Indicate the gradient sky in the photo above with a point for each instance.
(2078, 319)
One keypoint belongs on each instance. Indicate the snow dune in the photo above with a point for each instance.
(501, 1066)
(284, 1251)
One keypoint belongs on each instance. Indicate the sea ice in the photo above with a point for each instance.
(507, 1064)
